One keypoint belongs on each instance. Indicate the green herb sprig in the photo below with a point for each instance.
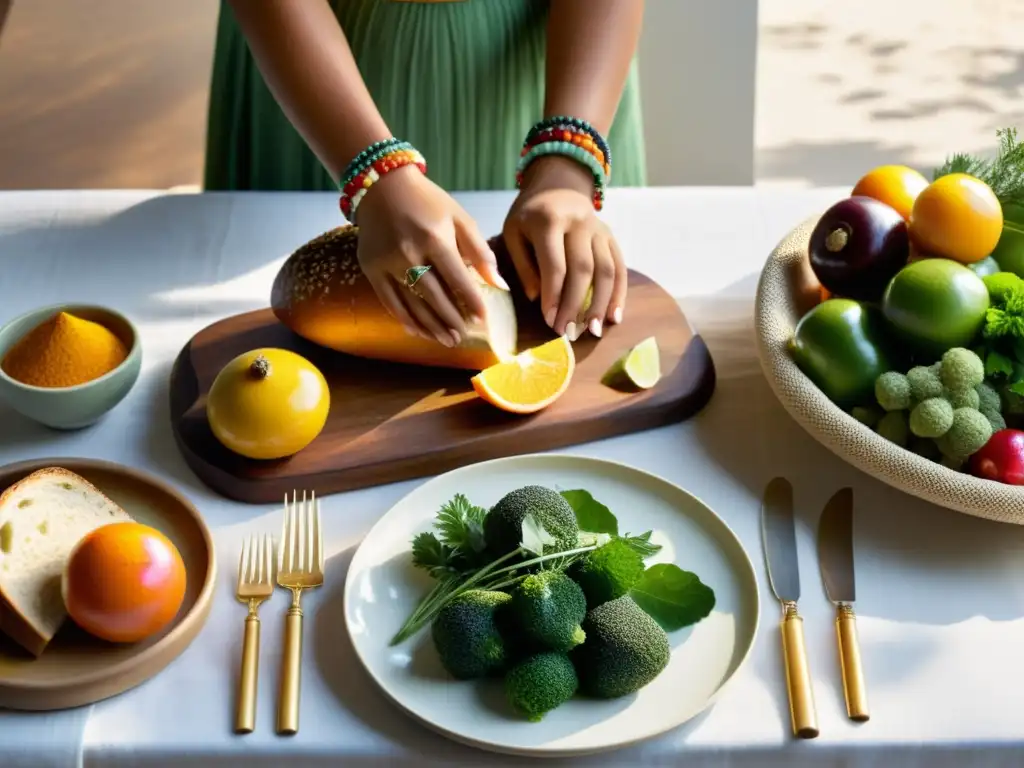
(1004, 173)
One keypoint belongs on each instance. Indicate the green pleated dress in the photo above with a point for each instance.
(462, 81)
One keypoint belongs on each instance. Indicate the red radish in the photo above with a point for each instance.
(1002, 458)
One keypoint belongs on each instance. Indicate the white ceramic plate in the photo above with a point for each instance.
(382, 588)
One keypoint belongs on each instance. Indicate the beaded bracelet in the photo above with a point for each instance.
(369, 165)
(567, 149)
(573, 138)
(575, 124)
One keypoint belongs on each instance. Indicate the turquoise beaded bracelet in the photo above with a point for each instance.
(567, 149)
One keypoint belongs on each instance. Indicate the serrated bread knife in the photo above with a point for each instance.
(835, 556)
(779, 540)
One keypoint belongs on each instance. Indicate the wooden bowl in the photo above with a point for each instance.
(786, 290)
(76, 668)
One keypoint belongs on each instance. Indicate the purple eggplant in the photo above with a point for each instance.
(857, 246)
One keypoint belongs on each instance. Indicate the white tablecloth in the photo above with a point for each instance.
(940, 595)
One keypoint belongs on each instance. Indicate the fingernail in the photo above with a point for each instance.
(617, 315)
(549, 316)
(456, 338)
(477, 320)
(570, 331)
(500, 281)
(595, 327)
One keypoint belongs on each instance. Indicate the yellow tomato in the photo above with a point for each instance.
(957, 217)
(268, 404)
(895, 185)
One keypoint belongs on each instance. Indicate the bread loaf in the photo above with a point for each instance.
(42, 518)
(322, 295)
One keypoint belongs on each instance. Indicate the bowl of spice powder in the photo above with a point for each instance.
(66, 366)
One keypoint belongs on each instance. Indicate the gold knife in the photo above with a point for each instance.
(835, 556)
(779, 534)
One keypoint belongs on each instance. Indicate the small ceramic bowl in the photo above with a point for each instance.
(81, 405)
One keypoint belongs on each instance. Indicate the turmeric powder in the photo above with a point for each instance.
(64, 351)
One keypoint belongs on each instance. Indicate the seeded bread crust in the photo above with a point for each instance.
(321, 294)
(31, 606)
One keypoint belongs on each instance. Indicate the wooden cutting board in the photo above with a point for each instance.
(391, 422)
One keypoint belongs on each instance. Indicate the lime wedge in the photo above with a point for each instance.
(641, 366)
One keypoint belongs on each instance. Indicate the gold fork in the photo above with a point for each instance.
(255, 584)
(300, 566)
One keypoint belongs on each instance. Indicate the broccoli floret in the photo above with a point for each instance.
(467, 636)
(931, 418)
(969, 398)
(995, 418)
(866, 415)
(999, 284)
(547, 609)
(961, 370)
(892, 391)
(540, 683)
(924, 447)
(893, 427)
(608, 572)
(924, 383)
(968, 434)
(988, 398)
(503, 526)
(625, 650)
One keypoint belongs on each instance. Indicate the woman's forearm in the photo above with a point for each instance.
(306, 62)
(590, 45)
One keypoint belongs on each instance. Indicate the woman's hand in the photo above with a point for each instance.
(572, 248)
(406, 221)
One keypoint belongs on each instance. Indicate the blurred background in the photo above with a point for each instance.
(113, 93)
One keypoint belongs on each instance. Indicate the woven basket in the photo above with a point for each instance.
(786, 290)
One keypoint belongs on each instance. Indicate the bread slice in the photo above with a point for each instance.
(42, 518)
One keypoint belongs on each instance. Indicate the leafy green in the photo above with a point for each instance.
(641, 544)
(996, 364)
(432, 555)
(461, 527)
(591, 515)
(673, 597)
(1004, 173)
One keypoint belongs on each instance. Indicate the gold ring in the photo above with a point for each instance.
(413, 275)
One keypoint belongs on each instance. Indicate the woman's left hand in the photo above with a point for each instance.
(572, 248)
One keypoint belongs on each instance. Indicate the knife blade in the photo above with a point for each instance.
(835, 556)
(778, 532)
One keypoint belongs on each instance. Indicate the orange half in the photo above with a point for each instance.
(531, 380)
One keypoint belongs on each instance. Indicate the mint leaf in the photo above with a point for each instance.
(1017, 387)
(591, 515)
(535, 537)
(673, 597)
(431, 555)
(641, 544)
(998, 364)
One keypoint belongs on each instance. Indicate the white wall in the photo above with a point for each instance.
(697, 67)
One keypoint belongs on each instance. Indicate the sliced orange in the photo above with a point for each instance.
(531, 380)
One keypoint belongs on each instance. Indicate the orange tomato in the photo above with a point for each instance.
(895, 185)
(124, 582)
(957, 217)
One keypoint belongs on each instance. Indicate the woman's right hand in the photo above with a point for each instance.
(405, 220)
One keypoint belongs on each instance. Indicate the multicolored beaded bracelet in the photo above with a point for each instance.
(579, 138)
(368, 167)
(575, 124)
(567, 149)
